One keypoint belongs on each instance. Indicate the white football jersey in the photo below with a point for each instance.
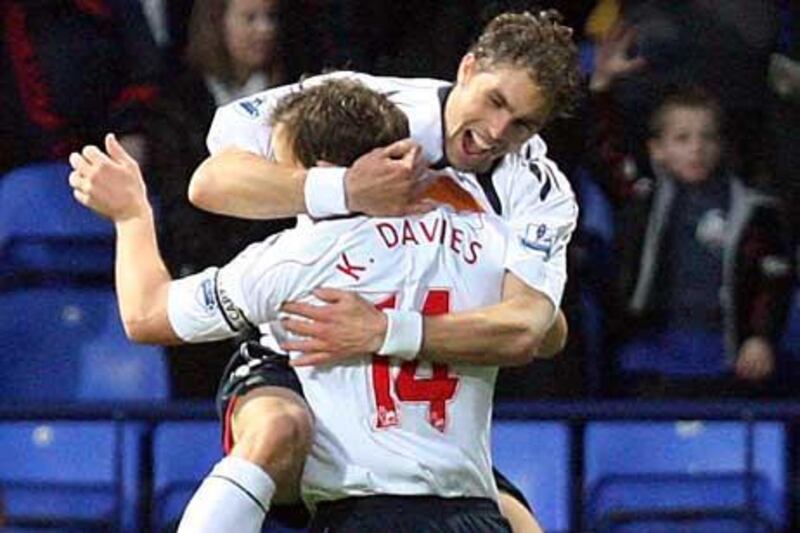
(526, 188)
(383, 426)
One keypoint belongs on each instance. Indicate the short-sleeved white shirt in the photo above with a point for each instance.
(382, 426)
(534, 196)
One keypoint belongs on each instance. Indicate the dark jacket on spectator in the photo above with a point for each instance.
(70, 71)
(756, 274)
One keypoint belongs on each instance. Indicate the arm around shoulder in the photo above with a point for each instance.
(239, 183)
(510, 333)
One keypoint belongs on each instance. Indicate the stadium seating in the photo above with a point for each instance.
(44, 232)
(49, 479)
(113, 368)
(183, 453)
(683, 476)
(536, 458)
(66, 343)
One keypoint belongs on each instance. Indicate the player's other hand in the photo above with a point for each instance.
(385, 181)
(613, 58)
(110, 183)
(756, 360)
(346, 326)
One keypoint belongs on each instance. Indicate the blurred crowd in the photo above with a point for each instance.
(684, 157)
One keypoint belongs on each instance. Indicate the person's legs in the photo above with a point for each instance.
(268, 432)
(272, 428)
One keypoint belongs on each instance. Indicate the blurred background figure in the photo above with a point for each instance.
(70, 71)
(704, 266)
(233, 50)
(723, 46)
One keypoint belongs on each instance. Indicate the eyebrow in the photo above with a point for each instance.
(531, 119)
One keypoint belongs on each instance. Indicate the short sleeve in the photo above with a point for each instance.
(540, 207)
(223, 302)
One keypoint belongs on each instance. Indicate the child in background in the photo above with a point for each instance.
(704, 268)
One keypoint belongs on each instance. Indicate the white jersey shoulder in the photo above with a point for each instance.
(245, 123)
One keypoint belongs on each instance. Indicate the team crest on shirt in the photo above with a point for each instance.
(251, 107)
(540, 238)
(206, 295)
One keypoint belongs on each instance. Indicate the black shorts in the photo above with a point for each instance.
(409, 514)
(504, 485)
(250, 367)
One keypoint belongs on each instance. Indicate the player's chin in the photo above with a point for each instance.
(471, 163)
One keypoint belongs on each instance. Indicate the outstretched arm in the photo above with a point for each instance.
(111, 184)
(507, 334)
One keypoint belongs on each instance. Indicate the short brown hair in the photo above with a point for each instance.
(541, 45)
(206, 50)
(691, 97)
(337, 121)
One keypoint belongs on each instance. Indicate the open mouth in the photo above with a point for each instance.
(475, 146)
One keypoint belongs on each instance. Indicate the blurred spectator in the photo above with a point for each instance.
(232, 51)
(704, 268)
(70, 71)
(721, 45)
(785, 82)
(168, 21)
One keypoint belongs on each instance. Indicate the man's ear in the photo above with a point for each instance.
(467, 67)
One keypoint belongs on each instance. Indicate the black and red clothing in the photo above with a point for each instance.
(70, 71)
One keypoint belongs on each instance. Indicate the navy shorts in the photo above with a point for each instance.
(409, 514)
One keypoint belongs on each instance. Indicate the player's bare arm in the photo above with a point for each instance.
(510, 333)
(111, 184)
(236, 182)
(243, 184)
(507, 334)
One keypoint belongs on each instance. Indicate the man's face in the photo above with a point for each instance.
(490, 112)
(689, 146)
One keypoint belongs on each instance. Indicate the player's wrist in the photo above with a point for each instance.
(137, 215)
(325, 192)
(403, 334)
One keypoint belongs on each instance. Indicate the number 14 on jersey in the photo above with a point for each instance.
(435, 390)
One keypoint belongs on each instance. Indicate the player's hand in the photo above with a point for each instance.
(386, 181)
(756, 360)
(347, 326)
(109, 183)
(612, 58)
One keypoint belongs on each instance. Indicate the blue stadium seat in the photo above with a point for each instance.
(44, 231)
(183, 453)
(535, 457)
(113, 368)
(639, 475)
(66, 343)
(48, 479)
